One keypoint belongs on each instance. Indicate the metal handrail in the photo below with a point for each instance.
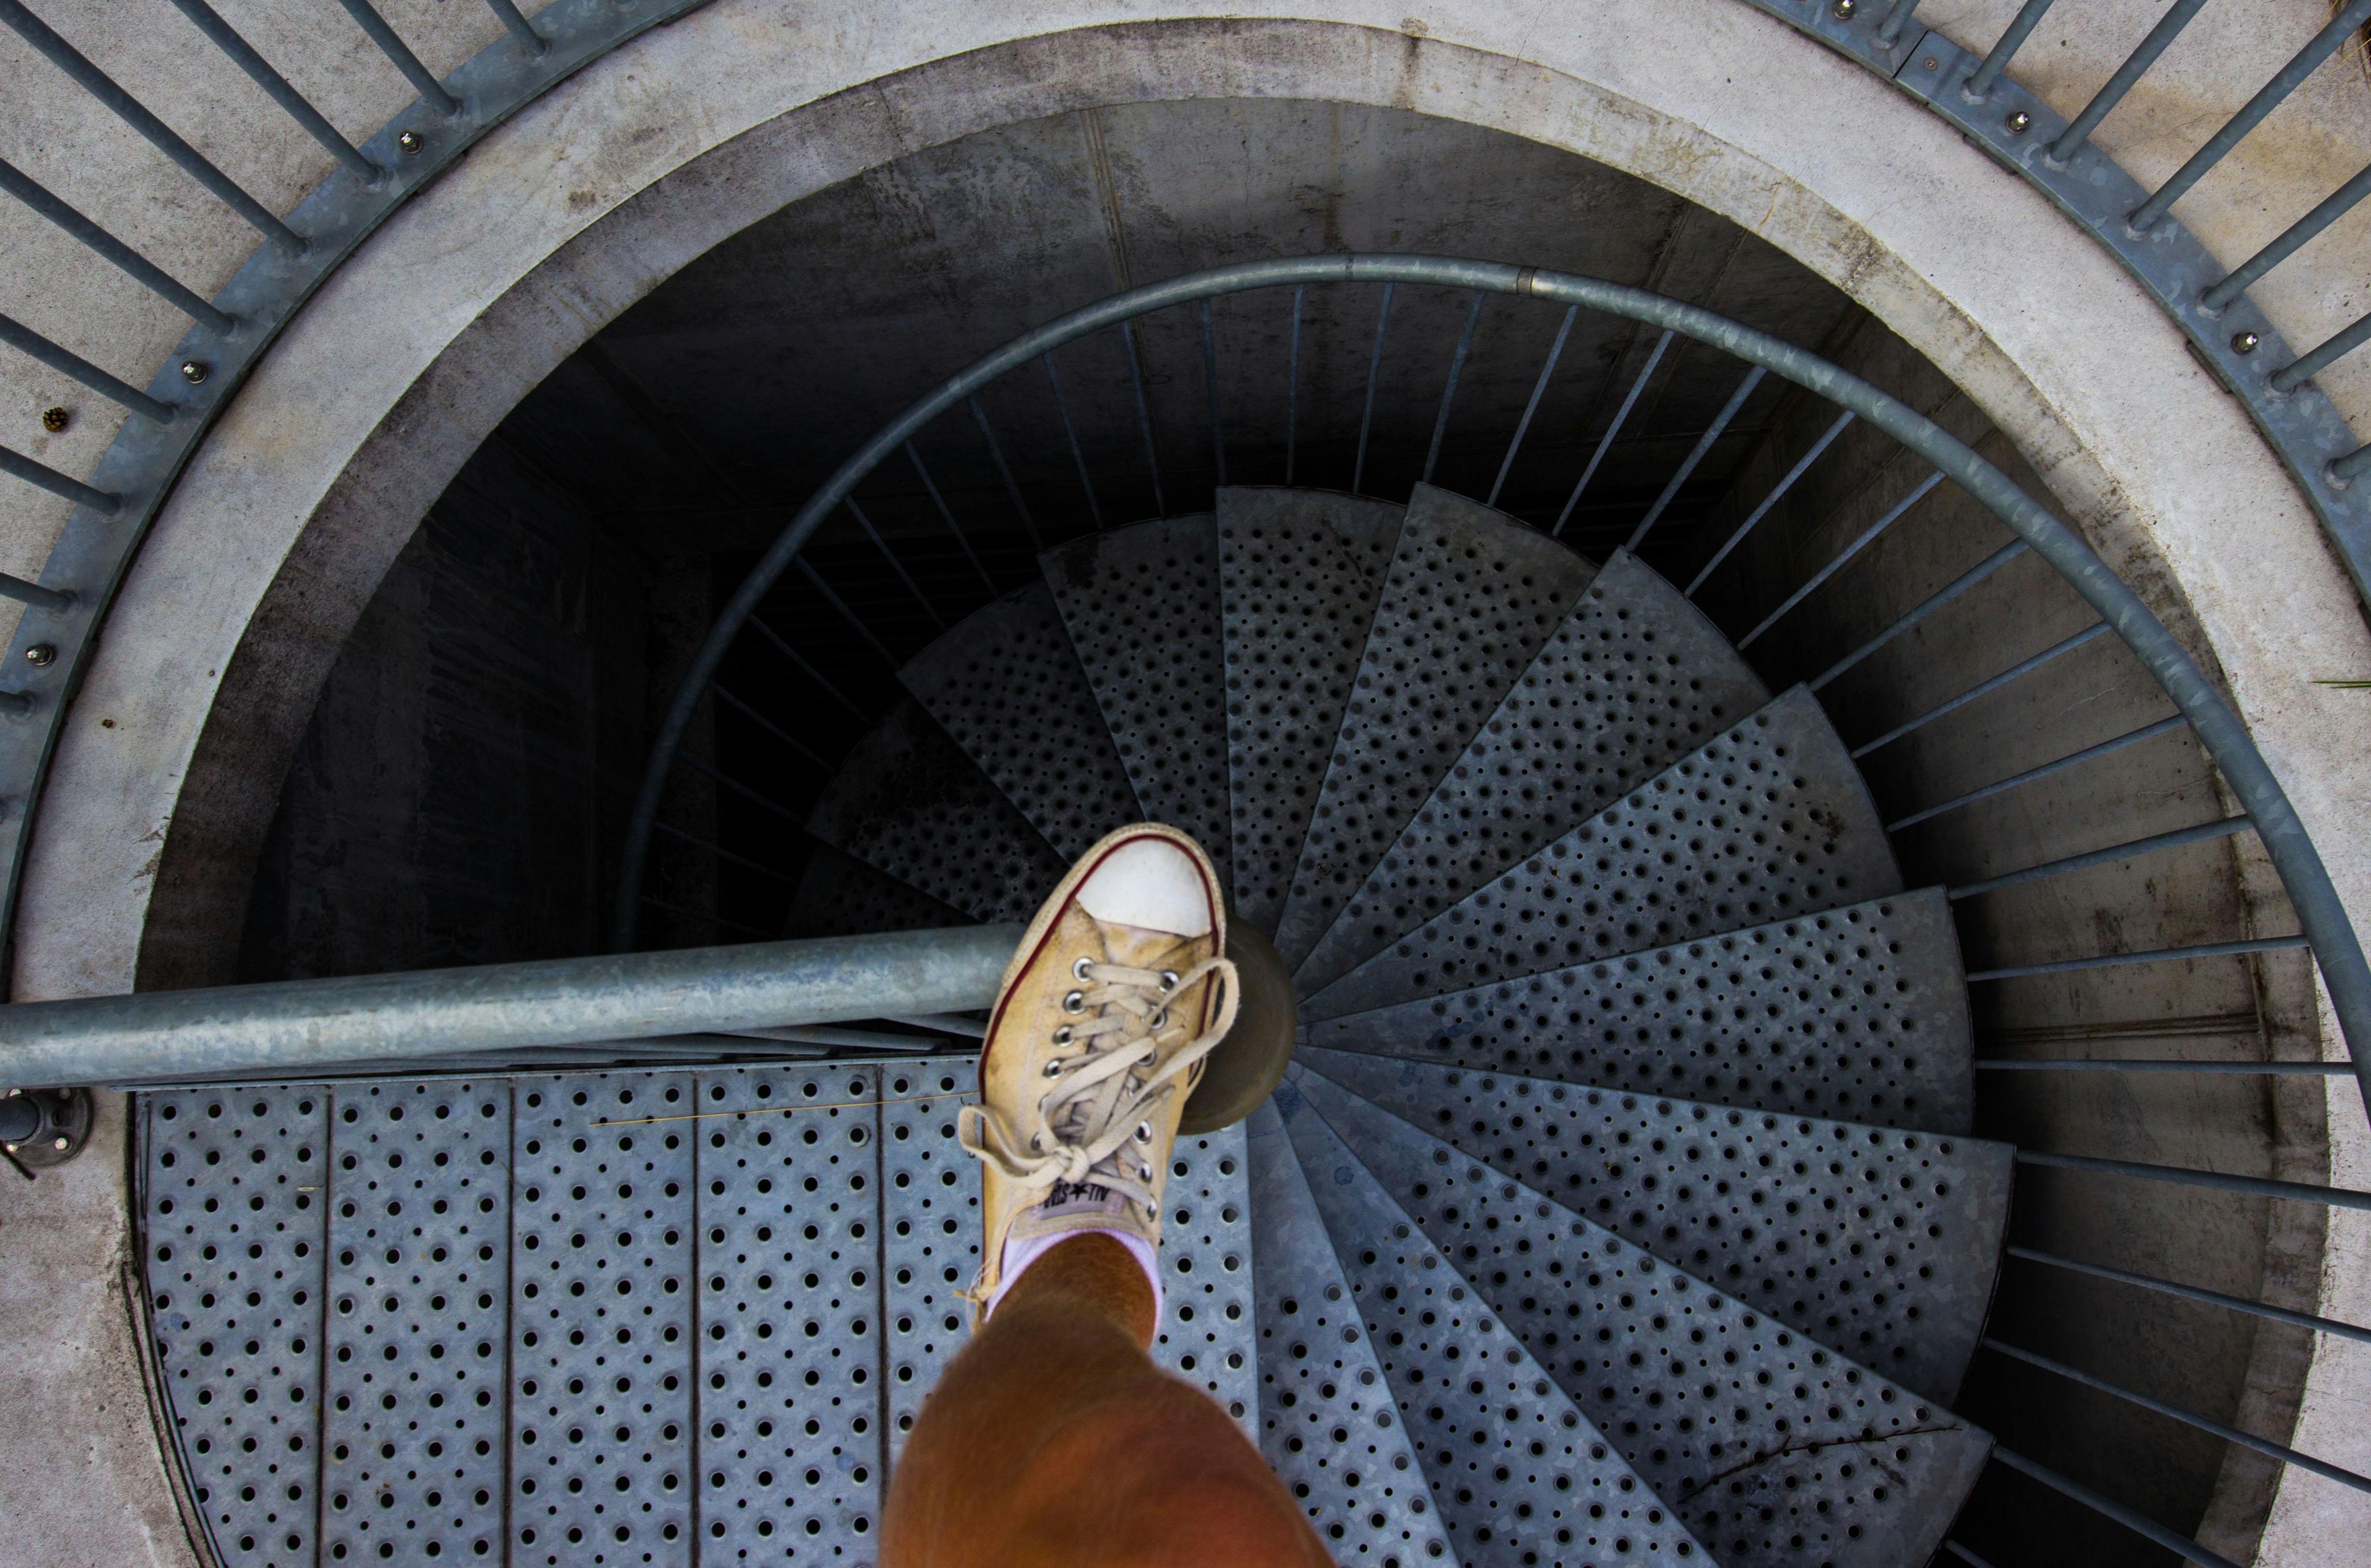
(2264, 806)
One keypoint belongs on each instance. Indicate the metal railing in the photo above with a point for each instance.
(958, 402)
(115, 503)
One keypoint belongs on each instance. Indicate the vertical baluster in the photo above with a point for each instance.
(1606, 441)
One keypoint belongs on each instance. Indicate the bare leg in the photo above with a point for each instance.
(1054, 1440)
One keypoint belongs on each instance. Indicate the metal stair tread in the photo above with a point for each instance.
(1764, 1207)
(1007, 686)
(1778, 1451)
(1141, 605)
(910, 804)
(1469, 598)
(1518, 1471)
(1296, 598)
(1856, 1014)
(1328, 1423)
(1634, 677)
(1768, 819)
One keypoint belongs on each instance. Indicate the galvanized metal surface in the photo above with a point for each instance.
(1771, 819)
(1858, 1014)
(1470, 597)
(1296, 602)
(605, 1317)
(1520, 1473)
(1742, 1200)
(1327, 1421)
(1007, 686)
(908, 803)
(1143, 608)
(1774, 1450)
(1633, 678)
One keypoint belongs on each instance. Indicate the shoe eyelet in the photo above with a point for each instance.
(1159, 1019)
(1144, 1132)
(1054, 1068)
(1076, 1002)
(1078, 970)
(1168, 981)
(1062, 1036)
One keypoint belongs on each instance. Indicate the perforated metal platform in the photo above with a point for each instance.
(600, 1318)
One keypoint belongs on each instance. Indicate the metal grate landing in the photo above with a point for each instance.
(610, 1319)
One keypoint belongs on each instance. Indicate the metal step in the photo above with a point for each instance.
(1858, 1014)
(1777, 1451)
(1769, 820)
(910, 804)
(1881, 1243)
(1327, 1421)
(1520, 1473)
(1297, 593)
(1006, 686)
(651, 1318)
(1635, 678)
(1141, 604)
(840, 895)
(1470, 598)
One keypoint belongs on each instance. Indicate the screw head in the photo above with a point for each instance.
(1843, 9)
(1930, 64)
(193, 370)
(2244, 342)
(409, 143)
(55, 419)
(61, 1145)
(2019, 123)
(41, 655)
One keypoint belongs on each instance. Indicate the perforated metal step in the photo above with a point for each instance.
(1297, 589)
(1143, 608)
(1327, 1421)
(1858, 1014)
(1769, 820)
(1470, 597)
(1635, 678)
(1006, 686)
(909, 803)
(1521, 1474)
(1778, 1452)
(1880, 1243)
(600, 1318)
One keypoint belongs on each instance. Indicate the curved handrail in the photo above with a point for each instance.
(2319, 911)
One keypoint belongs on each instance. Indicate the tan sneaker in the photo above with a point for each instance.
(1117, 994)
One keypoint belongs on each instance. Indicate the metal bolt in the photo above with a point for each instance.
(42, 654)
(61, 1145)
(193, 370)
(2018, 122)
(2244, 342)
(54, 419)
(1843, 9)
(409, 143)
(1930, 64)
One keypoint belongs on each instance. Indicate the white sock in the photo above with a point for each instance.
(1019, 1254)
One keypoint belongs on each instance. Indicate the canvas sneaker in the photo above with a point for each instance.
(1117, 993)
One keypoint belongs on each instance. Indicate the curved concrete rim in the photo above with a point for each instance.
(170, 763)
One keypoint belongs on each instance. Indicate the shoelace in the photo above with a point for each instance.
(1099, 1100)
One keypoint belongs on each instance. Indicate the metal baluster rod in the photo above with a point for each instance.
(2267, 98)
(1144, 414)
(1606, 441)
(948, 513)
(1703, 448)
(719, 921)
(1374, 373)
(1078, 452)
(33, 593)
(722, 853)
(133, 265)
(296, 1026)
(1292, 384)
(1449, 391)
(2169, 27)
(515, 23)
(1004, 472)
(2203, 831)
(1539, 389)
(1210, 387)
(2192, 1293)
(1979, 85)
(744, 791)
(2140, 1524)
(1951, 591)
(1866, 538)
(399, 53)
(1888, 32)
(46, 478)
(769, 726)
(276, 86)
(2181, 1176)
(811, 673)
(2165, 1064)
(1777, 493)
(2338, 204)
(2150, 955)
(899, 567)
(125, 107)
(2017, 780)
(1984, 688)
(839, 607)
(66, 362)
(2312, 363)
